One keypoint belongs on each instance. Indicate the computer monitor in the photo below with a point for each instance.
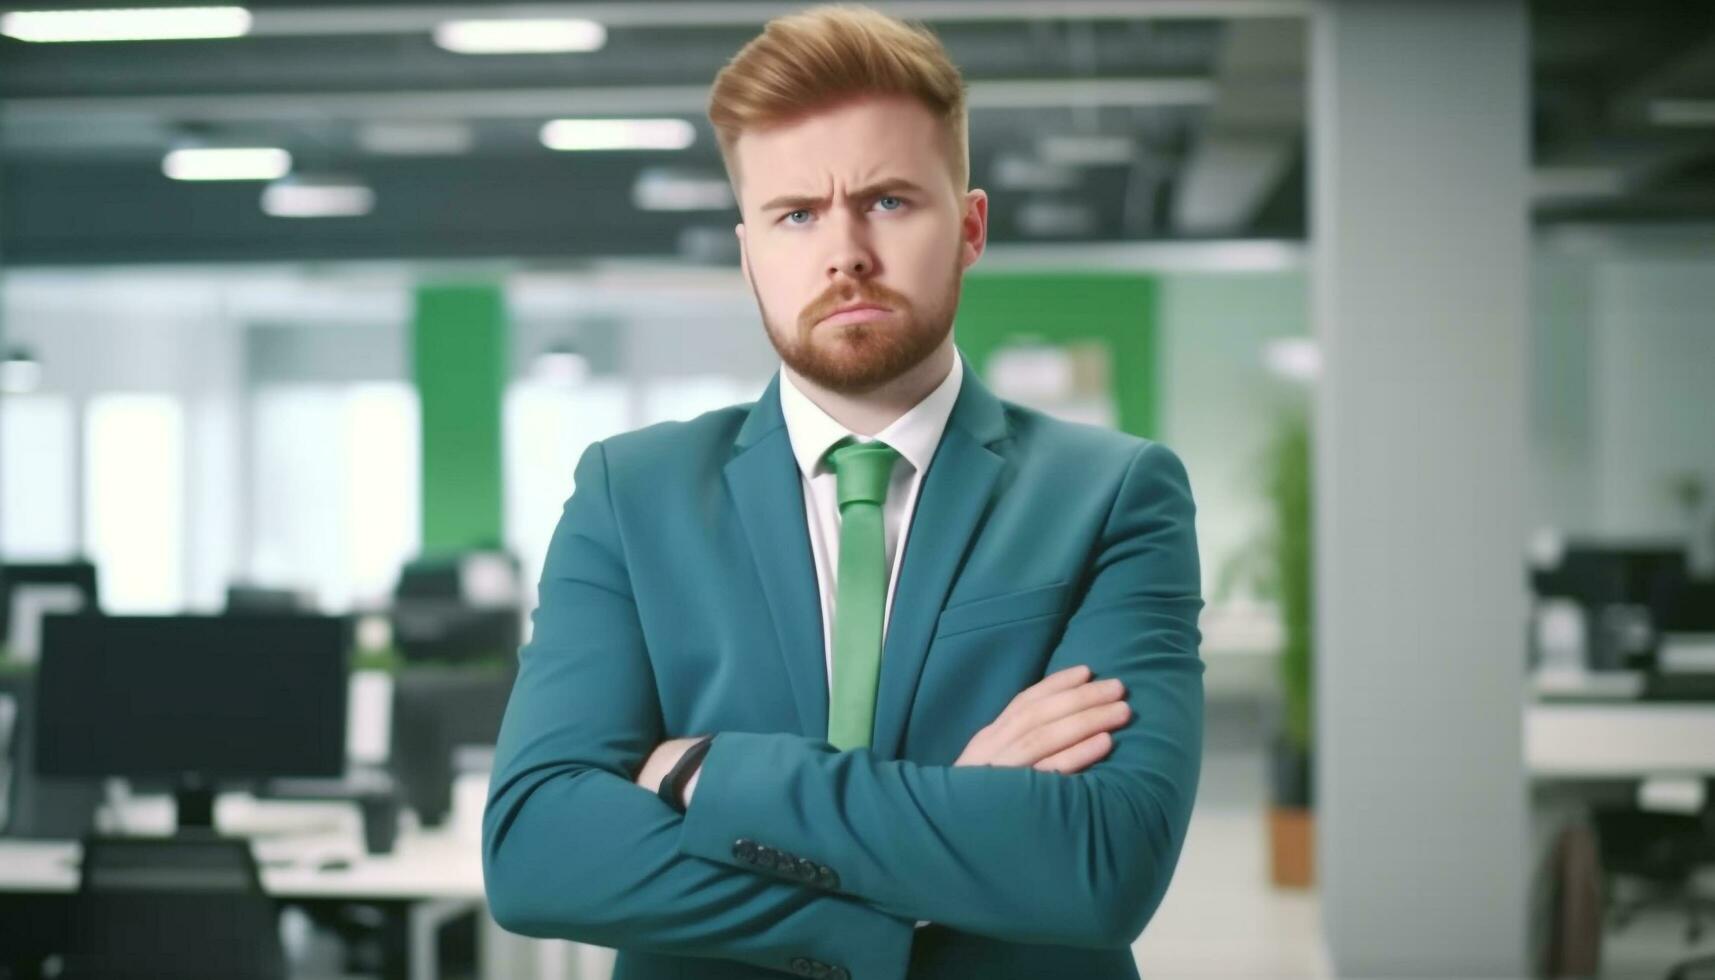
(1597, 574)
(253, 600)
(459, 608)
(1631, 593)
(196, 701)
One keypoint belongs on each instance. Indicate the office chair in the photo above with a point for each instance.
(1661, 853)
(189, 906)
(436, 710)
(38, 806)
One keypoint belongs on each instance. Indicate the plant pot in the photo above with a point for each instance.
(1291, 847)
(1291, 821)
(1291, 779)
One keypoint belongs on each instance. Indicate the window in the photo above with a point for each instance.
(134, 493)
(38, 494)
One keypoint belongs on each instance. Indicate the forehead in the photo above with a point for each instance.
(853, 143)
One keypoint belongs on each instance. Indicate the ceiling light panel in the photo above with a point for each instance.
(156, 24)
(520, 36)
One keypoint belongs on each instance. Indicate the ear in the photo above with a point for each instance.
(974, 227)
(743, 255)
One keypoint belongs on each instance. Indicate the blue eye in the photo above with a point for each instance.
(889, 197)
(801, 211)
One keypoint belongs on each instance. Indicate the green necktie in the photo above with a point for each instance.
(862, 471)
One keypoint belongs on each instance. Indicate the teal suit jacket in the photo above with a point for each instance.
(679, 598)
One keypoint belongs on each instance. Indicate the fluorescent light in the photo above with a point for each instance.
(561, 365)
(519, 36)
(227, 163)
(1046, 218)
(317, 197)
(1020, 173)
(1552, 183)
(1293, 358)
(1086, 151)
(412, 139)
(1682, 112)
(662, 189)
(618, 134)
(160, 24)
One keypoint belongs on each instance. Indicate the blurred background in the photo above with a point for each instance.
(308, 309)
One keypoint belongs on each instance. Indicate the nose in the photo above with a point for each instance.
(852, 255)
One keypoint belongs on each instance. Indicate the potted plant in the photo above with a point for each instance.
(1275, 566)
(1291, 824)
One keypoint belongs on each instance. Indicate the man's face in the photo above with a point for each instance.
(855, 206)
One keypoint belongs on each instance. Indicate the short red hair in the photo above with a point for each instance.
(823, 56)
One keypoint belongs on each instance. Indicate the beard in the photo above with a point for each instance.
(856, 358)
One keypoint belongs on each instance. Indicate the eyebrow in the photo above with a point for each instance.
(794, 202)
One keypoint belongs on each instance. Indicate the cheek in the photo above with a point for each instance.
(775, 268)
(921, 260)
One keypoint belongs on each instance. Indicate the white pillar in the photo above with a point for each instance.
(1420, 276)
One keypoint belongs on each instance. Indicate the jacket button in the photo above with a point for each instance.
(801, 966)
(826, 877)
(804, 870)
(766, 857)
(744, 850)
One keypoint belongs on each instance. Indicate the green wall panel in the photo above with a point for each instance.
(1115, 309)
(458, 354)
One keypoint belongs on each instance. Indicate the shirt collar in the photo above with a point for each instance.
(915, 434)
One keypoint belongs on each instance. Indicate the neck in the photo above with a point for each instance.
(872, 411)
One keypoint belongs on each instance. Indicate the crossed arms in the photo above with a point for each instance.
(573, 848)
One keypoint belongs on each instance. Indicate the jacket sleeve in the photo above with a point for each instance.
(574, 849)
(1010, 852)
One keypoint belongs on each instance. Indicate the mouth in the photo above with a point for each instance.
(856, 313)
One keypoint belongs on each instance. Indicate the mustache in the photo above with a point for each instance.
(867, 292)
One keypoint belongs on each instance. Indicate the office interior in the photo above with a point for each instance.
(1422, 293)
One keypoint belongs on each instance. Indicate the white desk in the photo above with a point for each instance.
(438, 872)
(422, 866)
(1619, 740)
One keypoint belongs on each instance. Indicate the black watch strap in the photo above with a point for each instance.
(672, 790)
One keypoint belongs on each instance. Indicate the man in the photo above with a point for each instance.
(915, 619)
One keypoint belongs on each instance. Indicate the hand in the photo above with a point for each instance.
(1059, 724)
(661, 761)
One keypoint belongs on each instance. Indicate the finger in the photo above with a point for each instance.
(1060, 680)
(1053, 707)
(1043, 741)
(1079, 757)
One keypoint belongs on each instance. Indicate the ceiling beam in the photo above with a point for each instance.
(356, 19)
(546, 103)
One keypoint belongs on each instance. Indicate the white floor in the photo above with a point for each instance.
(1221, 917)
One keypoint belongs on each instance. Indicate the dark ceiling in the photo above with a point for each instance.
(1200, 121)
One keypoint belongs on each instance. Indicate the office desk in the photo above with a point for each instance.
(1579, 753)
(423, 866)
(430, 877)
(1619, 739)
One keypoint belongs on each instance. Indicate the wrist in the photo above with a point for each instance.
(673, 789)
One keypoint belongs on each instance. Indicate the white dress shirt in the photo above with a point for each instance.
(915, 435)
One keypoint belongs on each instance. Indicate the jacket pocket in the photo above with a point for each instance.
(998, 610)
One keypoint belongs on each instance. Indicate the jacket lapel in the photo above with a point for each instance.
(766, 490)
(954, 496)
(951, 503)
